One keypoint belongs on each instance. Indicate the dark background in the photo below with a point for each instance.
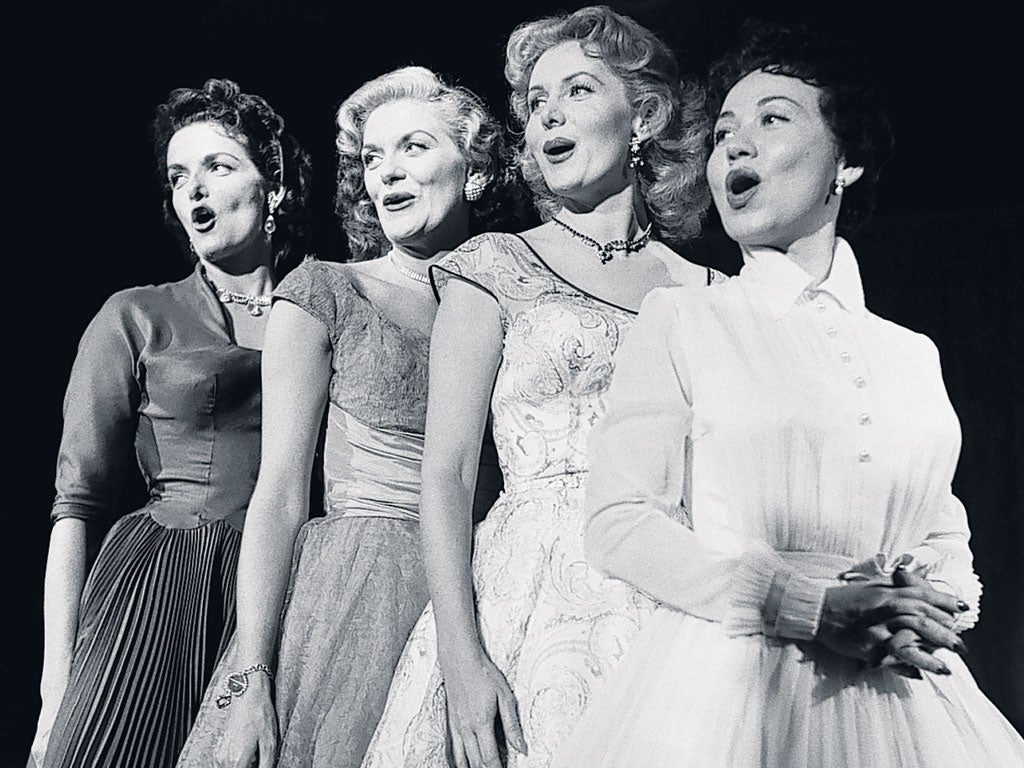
(942, 255)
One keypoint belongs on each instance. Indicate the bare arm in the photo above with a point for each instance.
(73, 544)
(100, 418)
(465, 351)
(296, 376)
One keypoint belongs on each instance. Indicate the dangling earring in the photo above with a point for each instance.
(838, 186)
(474, 190)
(636, 160)
(273, 200)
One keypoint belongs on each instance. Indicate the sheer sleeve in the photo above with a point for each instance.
(637, 454)
(100, 417)
(945, 559)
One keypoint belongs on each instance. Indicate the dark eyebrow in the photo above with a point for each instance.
(766, 99)
(727, 113)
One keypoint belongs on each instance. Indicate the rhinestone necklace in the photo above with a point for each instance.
(607, 250)
(253, 303)
(412, 275)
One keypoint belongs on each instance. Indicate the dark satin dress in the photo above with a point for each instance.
(157, 370)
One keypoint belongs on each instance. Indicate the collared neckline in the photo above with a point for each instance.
(782, 282)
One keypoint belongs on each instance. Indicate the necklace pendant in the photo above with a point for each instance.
(254, 309)
(605, 254)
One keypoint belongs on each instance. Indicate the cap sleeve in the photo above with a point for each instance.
(318, 290)
(477, 261)
(100, 416)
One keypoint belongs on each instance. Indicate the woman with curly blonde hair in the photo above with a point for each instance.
(325, 606)
(520, 628)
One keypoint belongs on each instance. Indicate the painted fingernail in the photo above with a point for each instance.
(944, 670)
(962, 606)
(961, 648)
(904, 561)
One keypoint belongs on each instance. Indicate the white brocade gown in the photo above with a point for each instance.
(550, 623)
(811, 439)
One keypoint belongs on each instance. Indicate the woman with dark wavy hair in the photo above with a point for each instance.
(812, 602)
(528, 325)
(170, 373)
(419, 165)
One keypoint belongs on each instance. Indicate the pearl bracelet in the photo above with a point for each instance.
(237, 683)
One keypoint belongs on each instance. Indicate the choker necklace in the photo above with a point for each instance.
(253, 303)
(607, 250)
(417, 276)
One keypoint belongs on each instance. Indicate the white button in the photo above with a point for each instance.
(864, 419)
(864, 457)
(846, 357)
(831, 330)
(861, 382)
(821, 307)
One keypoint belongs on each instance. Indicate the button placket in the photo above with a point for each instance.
(858, 379)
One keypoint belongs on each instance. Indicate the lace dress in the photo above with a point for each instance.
(357, 584)
(551, 623)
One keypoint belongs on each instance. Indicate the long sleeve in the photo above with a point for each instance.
(100, 418)
(946, 560)
(637, 458)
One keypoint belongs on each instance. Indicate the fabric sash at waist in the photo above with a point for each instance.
(370, 472)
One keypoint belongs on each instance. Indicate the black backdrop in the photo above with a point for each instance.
(942, 255)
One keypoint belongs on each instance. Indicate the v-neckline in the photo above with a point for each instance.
(341, 274)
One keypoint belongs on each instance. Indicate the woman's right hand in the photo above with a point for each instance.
(861, 621)
(251, 729)
(52, 693)
(477, 692)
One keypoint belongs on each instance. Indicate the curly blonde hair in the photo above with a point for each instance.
(474, 130)
(672, 179)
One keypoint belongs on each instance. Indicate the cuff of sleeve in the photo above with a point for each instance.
(800, 608)
(755, 587)
(770, 598)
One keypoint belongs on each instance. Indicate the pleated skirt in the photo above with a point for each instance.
(156, 614)
(356, 591)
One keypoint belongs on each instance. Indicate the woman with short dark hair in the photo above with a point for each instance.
(171, 374)
(812, 601)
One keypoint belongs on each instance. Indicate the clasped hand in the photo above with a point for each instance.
(899, 623)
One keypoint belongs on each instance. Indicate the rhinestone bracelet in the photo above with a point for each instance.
(237, 683)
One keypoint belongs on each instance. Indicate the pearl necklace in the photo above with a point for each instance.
(252, 302)
(418, 277)
(605, 252)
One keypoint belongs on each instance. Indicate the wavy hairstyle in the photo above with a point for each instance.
(672, 178)
(850, 101)
(479, 137)
(249, 119)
